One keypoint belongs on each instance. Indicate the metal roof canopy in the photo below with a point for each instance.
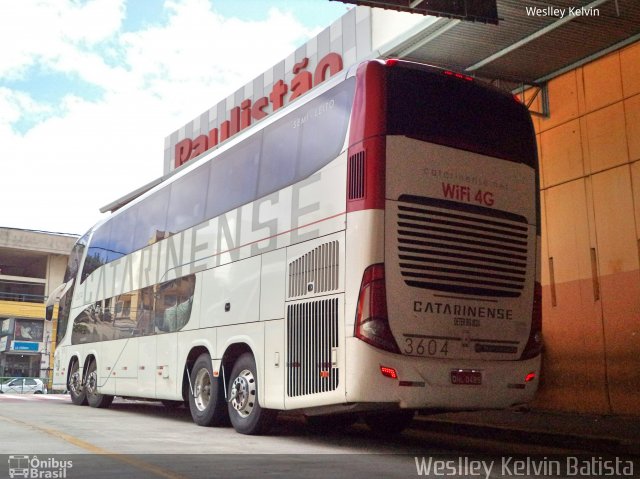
(526, 49)
(470, 10)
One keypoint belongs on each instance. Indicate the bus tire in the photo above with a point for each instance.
(389, 423)
(245, 412)
(75, 385)
(206, 397)
(94, 398)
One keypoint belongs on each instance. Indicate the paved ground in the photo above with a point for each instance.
(593, 433)
(144, 439)
(579, 432)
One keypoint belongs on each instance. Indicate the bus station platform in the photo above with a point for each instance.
(569, 431)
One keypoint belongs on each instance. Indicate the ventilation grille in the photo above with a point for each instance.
(356, 176)
(312, 334)
(463, 249)
(315, 272)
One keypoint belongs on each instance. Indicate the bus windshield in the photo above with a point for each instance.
(434, 107)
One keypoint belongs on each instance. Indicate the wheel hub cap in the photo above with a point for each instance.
(202, 390)
(74, 383)
(92, 382)
(243, 393)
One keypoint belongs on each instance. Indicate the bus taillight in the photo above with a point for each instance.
(389, 372)
(534, 344)
(372, 321)
(459, 76)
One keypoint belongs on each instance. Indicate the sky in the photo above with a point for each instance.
(89, 89)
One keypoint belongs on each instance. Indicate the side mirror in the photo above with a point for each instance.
(49, 312)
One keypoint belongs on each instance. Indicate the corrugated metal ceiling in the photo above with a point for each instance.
(525, 48)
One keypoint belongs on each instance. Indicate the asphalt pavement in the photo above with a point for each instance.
(584, 432)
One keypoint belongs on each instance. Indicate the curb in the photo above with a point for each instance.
(587, 443)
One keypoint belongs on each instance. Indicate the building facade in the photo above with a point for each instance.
(589, 151)
(32, 264)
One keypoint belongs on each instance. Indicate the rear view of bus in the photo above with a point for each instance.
(443, 178)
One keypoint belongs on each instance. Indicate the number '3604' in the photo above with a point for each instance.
(426, 347)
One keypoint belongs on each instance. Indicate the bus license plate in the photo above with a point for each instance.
(466, 378)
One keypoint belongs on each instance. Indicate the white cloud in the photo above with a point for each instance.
(16, 105)
(78, 22)
(200, 53)
(39, 31)
(94, 151)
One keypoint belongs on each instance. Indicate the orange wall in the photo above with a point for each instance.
(589, 150)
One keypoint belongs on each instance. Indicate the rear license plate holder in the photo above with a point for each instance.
(466, 377)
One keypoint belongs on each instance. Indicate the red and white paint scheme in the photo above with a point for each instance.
(242, 116)
(370, 249)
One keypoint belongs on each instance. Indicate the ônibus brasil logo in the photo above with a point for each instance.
(33, 467)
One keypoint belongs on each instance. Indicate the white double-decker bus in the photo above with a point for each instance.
(369, 250)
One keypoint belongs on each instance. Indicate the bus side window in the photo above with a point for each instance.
(188, 199)
(324, 132)
(121, 239)
(233, 178)
(279, 155)
(152, 226)
(97, 254)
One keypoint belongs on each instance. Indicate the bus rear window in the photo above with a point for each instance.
(434, 107)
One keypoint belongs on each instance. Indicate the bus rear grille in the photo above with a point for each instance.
(462, 249)
(312, 334)
(315, 272)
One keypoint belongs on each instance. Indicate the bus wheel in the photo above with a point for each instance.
(245, 412)
(389, 423)
(94, 398)
(206, 398)
(75, 386)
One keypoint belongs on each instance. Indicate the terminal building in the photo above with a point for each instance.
(32, 264)
(577, 67)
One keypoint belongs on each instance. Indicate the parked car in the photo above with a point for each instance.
(23, 386)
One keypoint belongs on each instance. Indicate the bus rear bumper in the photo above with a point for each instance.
(426, 383)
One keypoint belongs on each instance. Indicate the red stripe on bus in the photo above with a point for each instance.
(366, 136)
